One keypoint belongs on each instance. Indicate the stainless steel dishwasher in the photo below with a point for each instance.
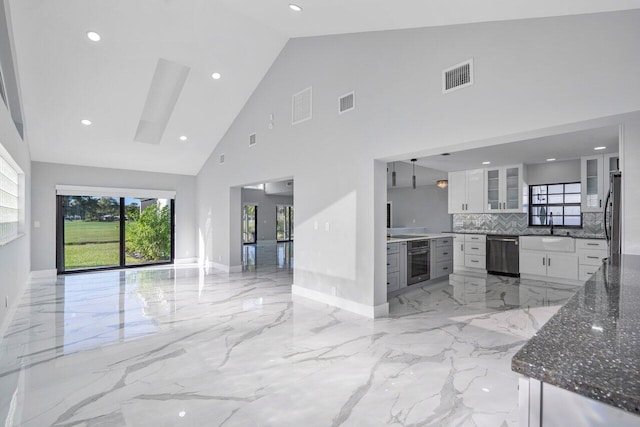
(503, 256)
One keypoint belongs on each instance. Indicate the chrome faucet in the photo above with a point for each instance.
(551, 222)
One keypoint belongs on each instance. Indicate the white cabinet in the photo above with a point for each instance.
(441, 257)
(396, 266)
(503, 188)
(469, 251)
(466, 191)
(548, 256)
(591, 252)
(595, 180)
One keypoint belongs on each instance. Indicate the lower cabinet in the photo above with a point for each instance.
(396, 266)
(441, 257)
(550, 264)
(591, 252)
(470, 252)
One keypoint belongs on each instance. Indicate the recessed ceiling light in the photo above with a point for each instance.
(216, 76)
(486, 163)
(295, 7)
(600, 148)
(86, 122)
(93, 36)
(551, 160)
(183, 138)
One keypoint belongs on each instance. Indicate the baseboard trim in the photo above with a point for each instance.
(44, 274)
(225, 268)
(186, 261)
(370, 311)
(552, 279)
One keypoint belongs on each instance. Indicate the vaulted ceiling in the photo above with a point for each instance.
(148, 81)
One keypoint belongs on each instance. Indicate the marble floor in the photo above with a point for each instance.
(171, 346)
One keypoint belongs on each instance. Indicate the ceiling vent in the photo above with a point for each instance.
(301, 106)
(221, 159)
(252, 140)
(347, 102)
(457, 77)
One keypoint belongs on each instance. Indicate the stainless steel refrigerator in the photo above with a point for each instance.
(613, 214)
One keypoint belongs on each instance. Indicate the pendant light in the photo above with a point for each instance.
(393, 175)
(413, 161)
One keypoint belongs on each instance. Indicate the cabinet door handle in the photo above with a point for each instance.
(474, 260)
(447, 253)
(462, 208)
(445, 268)
(548, 262)
(600, 200)
(593, 244)
(466, 207)
(462, 247)
(544, 261)
(593, 257)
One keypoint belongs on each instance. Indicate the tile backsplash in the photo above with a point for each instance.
(517, 223)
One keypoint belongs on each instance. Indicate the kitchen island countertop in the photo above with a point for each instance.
(591, 346)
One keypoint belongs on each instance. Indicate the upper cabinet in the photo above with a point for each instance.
(466, 191)
(503, 188)
(595, 180)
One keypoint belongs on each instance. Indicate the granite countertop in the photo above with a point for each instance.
(557, 234)
(591, 346)
(416, 237)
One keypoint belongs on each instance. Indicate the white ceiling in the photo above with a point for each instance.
(65, 78)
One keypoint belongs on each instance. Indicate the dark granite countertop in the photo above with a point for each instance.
(558, 234)
(591, 346)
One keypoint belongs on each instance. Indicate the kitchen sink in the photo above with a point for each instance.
(548, 243)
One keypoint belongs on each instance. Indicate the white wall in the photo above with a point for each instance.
(426, 206)
(14, 256)
(266, 220)
(553, 172)
(47, 175)
(526, 86)
(630, 167)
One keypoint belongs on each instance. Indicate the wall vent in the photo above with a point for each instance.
(252, 140)
(346, 102)
(301, 106)
(457, 77)
(221, 159)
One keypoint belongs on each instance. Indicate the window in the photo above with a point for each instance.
(557, 202)
(9, 208)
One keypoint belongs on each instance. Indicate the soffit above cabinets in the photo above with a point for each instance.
(561, 147)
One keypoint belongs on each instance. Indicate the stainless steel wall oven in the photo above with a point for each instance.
(418, 261)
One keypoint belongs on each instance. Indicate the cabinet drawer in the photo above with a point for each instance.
(475, 248)
(586, 271)
(591, 257)
(393, 263)
(475, 238)
(393, 281)
(448, 241)
(475, 261)
(443, 268)
(444, 253)
(591, 244)
(393, 248)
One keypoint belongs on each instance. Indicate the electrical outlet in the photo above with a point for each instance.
(326, 226)
(514, 224)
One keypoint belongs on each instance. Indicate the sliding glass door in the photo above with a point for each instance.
(109, 232)
(284, 223)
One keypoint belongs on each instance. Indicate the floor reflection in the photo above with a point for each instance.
(267, 255)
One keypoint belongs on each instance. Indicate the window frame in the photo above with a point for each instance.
(533, 205)
(19, 196)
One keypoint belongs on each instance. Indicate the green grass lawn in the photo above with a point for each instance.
(94, 244)
(91, 231)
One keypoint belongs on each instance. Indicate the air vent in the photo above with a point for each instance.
(252, 140)
(457, 77)
(301, 106)
(221, 160)
(346, 103)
